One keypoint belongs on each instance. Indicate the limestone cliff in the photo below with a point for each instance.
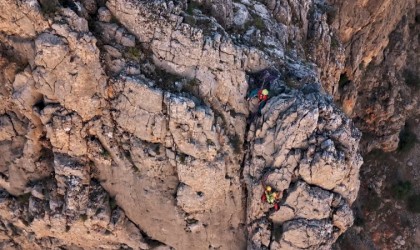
(125, 124)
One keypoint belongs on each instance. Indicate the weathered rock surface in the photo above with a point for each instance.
(380, 46)
(125, 124)
(176, 163)
(304, 147)
(212, 59)
(60, 74)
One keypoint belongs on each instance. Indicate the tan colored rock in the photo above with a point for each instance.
(171, 147)
(192, 128)
(303, 201)
(6, 128)
(303, 234)
(191, 174)
(24, 18)
(188, 52)
(155, 178)
(315, 144)
(82, 218)
(142, 117)
(61, 75)
(64, 130)
(343, 217)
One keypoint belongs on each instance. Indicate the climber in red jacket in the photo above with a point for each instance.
(262, 94)
(271, 197)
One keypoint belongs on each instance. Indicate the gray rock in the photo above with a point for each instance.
(90, 6)
(116, 66)
(114, 52)
(241, 15)
(7, 131)
(128, 41)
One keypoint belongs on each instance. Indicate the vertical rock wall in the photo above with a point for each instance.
(125, 124)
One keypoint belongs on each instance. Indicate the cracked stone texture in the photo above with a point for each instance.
(72, 212)
(386, 102)
(181, 171)
(22, 18)
(380, 43)
(304, 147)
(133, 134)
(60, 74)
(184, 50)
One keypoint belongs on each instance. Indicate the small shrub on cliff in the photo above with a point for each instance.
(190, 20)
(83, 217)
(359, 221)
(191, 86)
(49, 6)
(401, 189)
(235, 141)
(210, 143)
(373, 203)
(24, 198)
(166, 80)
(413, 203)
(331, 14)
(334, 42)
(112, 203)
(133, 53)
(411, 79)
(191, 6)
(182, 158)
(105, 153)
(259, 23)
(407, 139)
(375, 154)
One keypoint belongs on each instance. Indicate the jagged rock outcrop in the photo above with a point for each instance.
(60, 74)
(380, 45)
(389, 95)
(212, 59)
(175, 161)
(125, 124)
(303, 146)
(74, 212)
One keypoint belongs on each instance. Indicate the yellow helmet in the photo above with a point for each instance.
(265, 92)
(268, 188)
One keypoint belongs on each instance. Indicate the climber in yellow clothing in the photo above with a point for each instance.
(271, 197)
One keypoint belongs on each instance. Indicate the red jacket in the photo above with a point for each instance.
(262, 97)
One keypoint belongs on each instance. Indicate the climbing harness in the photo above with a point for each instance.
(270, 195)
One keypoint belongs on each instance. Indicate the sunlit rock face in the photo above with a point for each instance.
(126, 124)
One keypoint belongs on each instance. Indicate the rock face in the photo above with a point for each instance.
(126, 124)
(179, 180)
(379, 57)
(305, 148)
